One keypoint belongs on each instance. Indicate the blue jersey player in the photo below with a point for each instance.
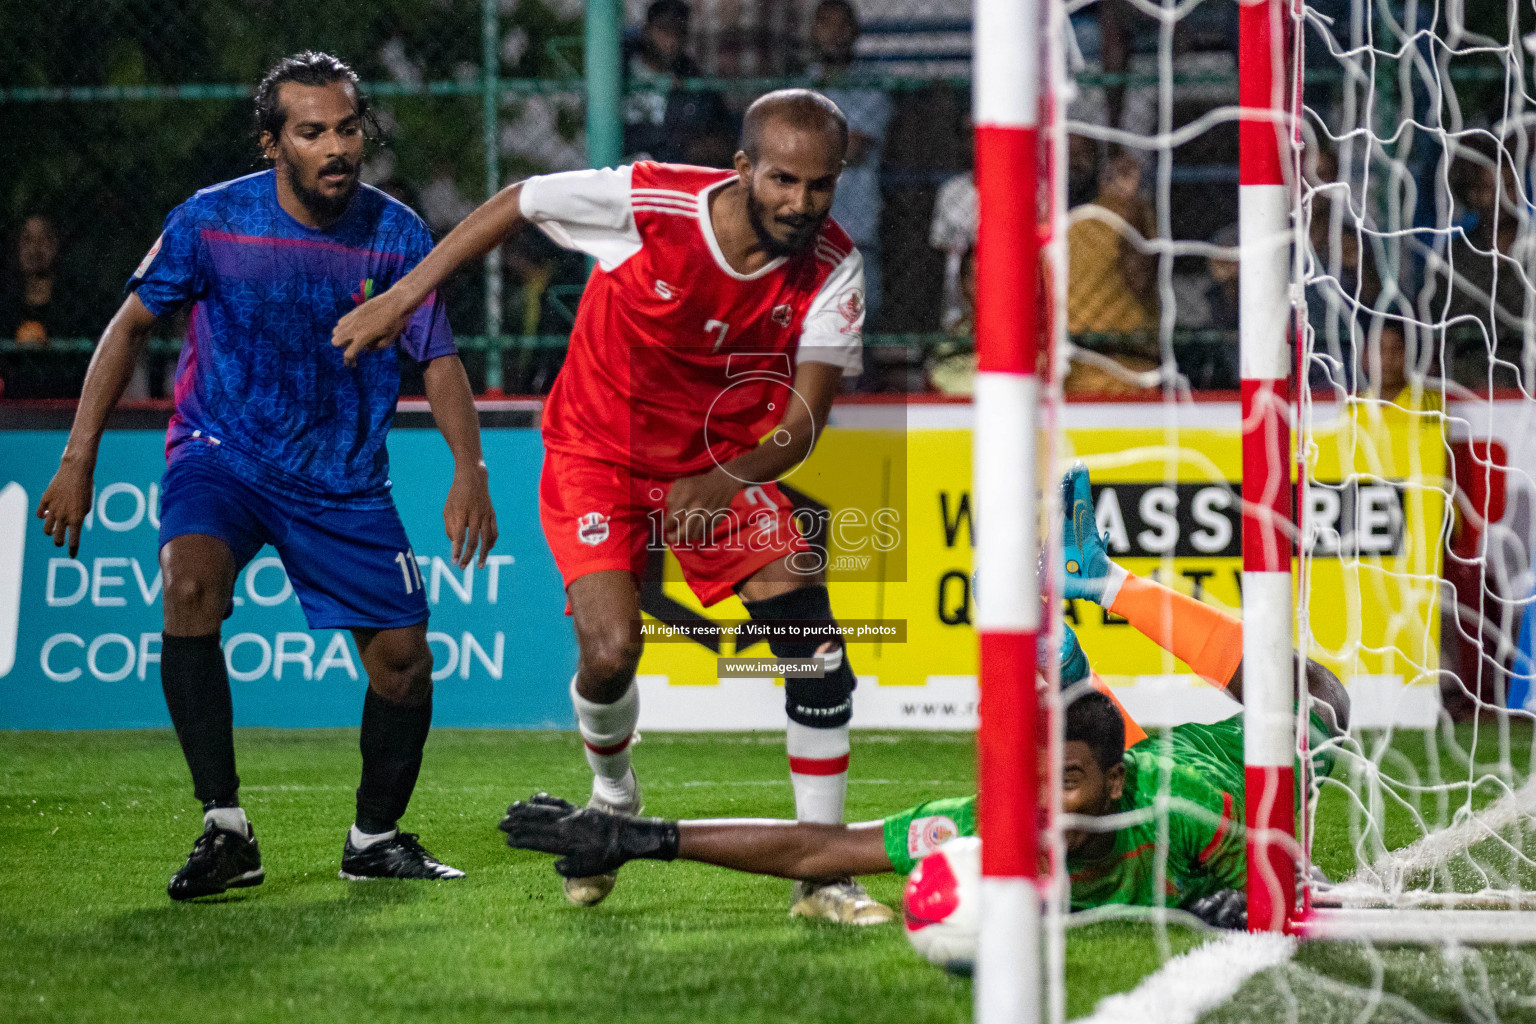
(277, 440)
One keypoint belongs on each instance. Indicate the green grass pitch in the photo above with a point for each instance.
(93, 823)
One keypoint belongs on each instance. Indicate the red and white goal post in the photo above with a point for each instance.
(1007, 103)
(1273, 232)
(1011, 40)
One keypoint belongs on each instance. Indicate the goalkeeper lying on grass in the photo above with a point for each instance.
(1110, 766)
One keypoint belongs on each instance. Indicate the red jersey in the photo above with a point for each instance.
(678, 362)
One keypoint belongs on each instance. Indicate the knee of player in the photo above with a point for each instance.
(403, 677)
(611, 655)
(190, 592)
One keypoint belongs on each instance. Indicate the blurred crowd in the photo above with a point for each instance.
(1144, 320)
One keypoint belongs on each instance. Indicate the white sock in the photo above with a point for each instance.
(361, 840)
(607, 730)
(231, 819)
(1113, 581)
(818, 769)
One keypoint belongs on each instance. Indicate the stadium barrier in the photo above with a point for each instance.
(79, 638)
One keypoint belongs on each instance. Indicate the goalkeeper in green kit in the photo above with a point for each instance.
(1110, 767)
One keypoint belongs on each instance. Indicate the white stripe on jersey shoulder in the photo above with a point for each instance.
(667, 193)
(830, 255)
(676, 210)
(650, 199)
(665, 201)
(832, 247)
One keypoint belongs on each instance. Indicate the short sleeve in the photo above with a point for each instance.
(174, 271)
(916, 832)
(427, 334)
(588, 211)
(834, 323)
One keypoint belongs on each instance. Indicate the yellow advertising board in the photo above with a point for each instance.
(1168, 497)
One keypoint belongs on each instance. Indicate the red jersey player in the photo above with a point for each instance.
(725, 305)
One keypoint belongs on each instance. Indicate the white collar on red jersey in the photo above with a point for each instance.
(708, 228)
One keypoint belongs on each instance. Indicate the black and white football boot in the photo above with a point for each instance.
(220, 860)
(401, 856)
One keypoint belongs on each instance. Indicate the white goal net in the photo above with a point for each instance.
(1415, 207)
(1406, 148)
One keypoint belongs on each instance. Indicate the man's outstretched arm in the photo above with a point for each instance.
(378, 322)
(788, 849)
(589, 842)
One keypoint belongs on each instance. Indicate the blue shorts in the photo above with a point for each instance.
(351, 568)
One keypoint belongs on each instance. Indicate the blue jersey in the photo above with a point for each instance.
(258, 378)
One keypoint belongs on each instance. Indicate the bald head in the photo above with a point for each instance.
(802, 110)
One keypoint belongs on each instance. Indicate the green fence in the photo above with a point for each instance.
(116, 110)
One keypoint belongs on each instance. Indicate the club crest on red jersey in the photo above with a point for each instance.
(782, 315)
(851, 305)
(592, 528)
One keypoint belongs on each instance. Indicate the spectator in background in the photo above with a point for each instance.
(1221, 294)
(1386, 363)
(953, 232)
(1483, 270)
(952, 363)
(441, 203)
(1345, 282)
(34, 311)
(1082, 169)
(1393, 352)
(1112, 284)
(663, 122)
(834, 33)
(1206, 302)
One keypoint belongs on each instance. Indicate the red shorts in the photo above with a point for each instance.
(598, 516)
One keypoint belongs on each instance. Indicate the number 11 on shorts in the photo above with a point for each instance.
(410, 571)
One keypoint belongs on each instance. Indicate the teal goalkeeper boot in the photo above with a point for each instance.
(1087, 563)
(1070, 658)
(1074, 662)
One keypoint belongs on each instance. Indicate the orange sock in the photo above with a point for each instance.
(1209, 641)
(1134, 733)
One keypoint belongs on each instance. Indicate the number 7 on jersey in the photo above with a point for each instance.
(717, 325)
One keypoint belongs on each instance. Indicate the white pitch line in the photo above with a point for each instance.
(1194, 982)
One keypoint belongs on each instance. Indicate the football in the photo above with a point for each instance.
(942, 905)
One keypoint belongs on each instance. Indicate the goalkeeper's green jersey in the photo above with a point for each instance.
(1203, 767)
